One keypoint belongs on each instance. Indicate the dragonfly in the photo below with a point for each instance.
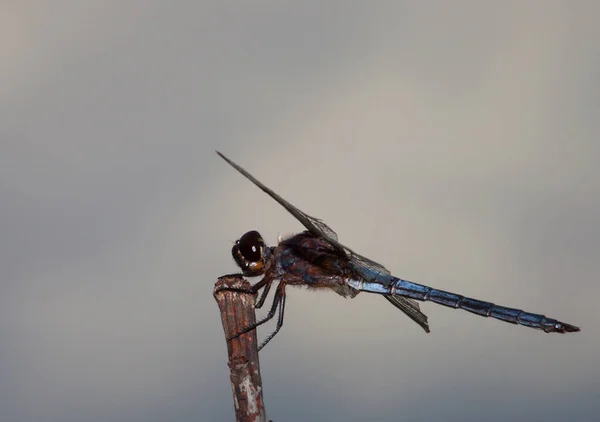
(316, 259)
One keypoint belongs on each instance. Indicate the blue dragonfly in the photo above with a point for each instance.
(315, 258)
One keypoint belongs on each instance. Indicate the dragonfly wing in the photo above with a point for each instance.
(366, 268)
(313, 224)
(410, 308)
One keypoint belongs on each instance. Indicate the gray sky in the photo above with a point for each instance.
(455, 143)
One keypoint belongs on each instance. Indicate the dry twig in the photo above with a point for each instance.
(237, 312)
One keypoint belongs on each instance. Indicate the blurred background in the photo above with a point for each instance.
(455, 143)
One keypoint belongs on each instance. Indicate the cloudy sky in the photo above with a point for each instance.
(457, 144)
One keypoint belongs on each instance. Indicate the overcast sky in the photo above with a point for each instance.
(454, 142)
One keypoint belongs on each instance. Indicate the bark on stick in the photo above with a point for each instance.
(237, 312)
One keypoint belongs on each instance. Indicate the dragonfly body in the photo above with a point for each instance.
(306, 259)
(479, 307)
(315, 258)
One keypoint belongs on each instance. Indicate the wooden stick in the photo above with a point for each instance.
(237, 312)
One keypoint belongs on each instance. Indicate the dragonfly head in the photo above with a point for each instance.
(249, 253)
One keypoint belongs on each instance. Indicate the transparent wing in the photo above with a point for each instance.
(366, 268)
(410, 308)
(314, 225)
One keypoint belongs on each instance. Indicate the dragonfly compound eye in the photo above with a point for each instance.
(251, 246)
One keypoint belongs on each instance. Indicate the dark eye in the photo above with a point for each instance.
(251, 246)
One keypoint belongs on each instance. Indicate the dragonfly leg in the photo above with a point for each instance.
(252, 290)
(279, 318)
(269, 316)
(263, 296)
